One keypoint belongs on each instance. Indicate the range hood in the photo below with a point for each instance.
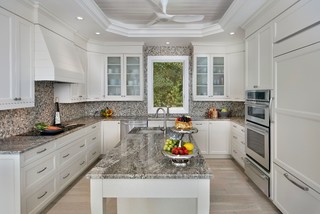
(56, 58)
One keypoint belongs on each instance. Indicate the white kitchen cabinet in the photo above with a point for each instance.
(303, 14)
(297, 124)
(236, 76)
(209, 77)
(259, 59)
(70, 92)
(124, 78)
(201, 137)
(292, 195)
(73, 92)
(95, 76)
(17, 62)
(238, 143)
(111, 135)
(31, 180)
(219, 138)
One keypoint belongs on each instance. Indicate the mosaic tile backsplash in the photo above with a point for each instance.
(17, 121)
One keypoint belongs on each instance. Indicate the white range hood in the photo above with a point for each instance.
(56, 58)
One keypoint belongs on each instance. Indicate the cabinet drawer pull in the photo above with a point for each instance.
(242, 158)
(242, 130)
(234, 126)
(42, 170)
(42, 195)
(94, 138)
(235, 151)
(304, 188)
(82, 145)
(255, 86)
(93, 127)
(66, 176)
(198, 124)
(17, 99)
(94, 153)
(234, 137)
(66, 155)
(43, 150)
(82, 163)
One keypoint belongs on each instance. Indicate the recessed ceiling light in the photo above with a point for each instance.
(232, 33)
(97, 33)
(167, 43)
(79, 18)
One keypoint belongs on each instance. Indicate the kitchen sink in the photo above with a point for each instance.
(146, 130)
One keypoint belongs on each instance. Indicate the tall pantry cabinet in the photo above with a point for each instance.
(297, 109)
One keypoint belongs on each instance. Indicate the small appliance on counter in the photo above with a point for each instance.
(57, 118)
(213, 113)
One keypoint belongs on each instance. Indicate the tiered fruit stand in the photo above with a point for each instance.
(181, 160)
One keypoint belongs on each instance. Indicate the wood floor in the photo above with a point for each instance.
(231, 193)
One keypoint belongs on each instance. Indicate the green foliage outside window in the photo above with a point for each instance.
(168, 84)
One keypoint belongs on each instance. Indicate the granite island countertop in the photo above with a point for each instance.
(139, 157)
(20, 144)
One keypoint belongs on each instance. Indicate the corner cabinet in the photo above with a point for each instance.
(209, 77)
(124, 78)
(17, 62)
(219, 77)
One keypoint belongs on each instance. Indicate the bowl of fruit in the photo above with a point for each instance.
(106, 112)
(179, 152)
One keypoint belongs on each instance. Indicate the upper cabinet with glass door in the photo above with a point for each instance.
(209, 81)
(124, 78)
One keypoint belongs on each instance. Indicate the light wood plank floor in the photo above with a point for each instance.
(231, 193)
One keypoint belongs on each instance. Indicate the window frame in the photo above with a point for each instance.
(185, 90)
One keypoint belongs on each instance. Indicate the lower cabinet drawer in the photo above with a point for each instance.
(38, 171)
(67, 154)
(40, 198)
(66, 175)
(292, 195)
(93, 153)
(238, 155)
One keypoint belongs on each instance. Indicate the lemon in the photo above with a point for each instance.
(189, 146)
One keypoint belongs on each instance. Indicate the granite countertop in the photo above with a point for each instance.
(20, 144)
(139, 157)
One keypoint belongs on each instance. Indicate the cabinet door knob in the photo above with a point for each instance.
(17, 99)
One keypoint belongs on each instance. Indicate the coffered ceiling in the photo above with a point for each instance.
(136, 20)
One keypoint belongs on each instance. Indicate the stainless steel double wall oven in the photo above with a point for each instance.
(257, 116)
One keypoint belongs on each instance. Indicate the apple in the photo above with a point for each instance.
(224, 110)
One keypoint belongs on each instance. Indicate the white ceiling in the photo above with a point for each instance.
(126, 20)
(140, 12)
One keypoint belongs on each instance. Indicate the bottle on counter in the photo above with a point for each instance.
(57, 119)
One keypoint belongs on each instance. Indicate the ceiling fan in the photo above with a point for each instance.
(164, 17)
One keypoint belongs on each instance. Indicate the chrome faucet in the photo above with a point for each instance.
(164, 119)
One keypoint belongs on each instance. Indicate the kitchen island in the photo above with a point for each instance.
(144, 181)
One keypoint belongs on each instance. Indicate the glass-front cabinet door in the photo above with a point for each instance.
(133, 75)
(114, 70)
(124, 78)
(218, 76)
(202, 65)
(209, 78)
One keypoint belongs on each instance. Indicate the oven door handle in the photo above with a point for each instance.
(257, 128)
(257, 105)
(271, 110)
